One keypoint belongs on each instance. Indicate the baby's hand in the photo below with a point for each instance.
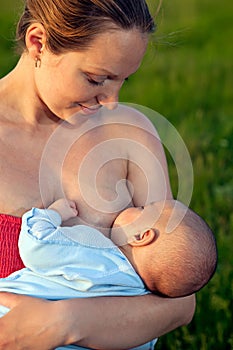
(65, 207)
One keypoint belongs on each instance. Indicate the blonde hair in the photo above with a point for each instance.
(73, 24)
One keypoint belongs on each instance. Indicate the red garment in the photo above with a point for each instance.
(10, 260)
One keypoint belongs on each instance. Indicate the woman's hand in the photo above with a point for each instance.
(31, 324)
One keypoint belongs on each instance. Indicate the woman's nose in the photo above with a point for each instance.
(109, 105)
(109, 99)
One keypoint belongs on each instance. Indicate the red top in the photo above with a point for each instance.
(9, 253)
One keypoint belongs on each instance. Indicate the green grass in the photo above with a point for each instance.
(187, 76)
(190, 82)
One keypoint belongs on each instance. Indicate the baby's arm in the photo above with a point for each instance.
(65, 207)
(42, 225)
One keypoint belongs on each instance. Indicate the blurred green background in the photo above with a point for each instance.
(187, 76)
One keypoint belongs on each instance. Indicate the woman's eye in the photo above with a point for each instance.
(96, 83)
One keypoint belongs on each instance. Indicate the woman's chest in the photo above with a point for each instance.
(19, 186)
(20, 154)
(91, 169)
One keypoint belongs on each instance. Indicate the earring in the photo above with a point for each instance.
(37, 62)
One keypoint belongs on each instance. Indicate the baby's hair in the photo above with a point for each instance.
(185, 259)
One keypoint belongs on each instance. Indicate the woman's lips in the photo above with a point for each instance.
(89, 110)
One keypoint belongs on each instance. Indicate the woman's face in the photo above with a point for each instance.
(86, 80)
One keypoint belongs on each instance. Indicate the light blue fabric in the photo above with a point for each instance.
(147, 346)
(69, 262)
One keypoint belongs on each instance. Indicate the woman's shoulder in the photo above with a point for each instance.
(129, 118)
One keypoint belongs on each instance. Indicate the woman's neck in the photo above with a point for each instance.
(20, 99)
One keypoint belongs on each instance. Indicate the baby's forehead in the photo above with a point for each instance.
(169, 213)
(150, 215)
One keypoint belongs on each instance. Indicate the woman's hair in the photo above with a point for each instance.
(73, 24)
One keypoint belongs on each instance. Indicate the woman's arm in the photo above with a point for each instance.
(149, 317)
(41, 325)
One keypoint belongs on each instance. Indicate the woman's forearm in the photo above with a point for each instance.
(98, 322)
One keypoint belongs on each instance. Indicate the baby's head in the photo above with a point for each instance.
(170, 246)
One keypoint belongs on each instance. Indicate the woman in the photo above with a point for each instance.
(56, 141)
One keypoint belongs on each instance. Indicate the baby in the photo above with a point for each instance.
(149, 250)
(164, 248)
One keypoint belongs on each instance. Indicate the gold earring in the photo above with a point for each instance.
(37, 62)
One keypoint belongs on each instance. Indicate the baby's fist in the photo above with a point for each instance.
(65, 207)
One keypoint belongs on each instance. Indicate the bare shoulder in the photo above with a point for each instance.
(127, 119)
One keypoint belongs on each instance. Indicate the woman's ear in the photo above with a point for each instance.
(144, 238)
(35, 40)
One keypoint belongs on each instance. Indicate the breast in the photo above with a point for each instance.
(94, 173)
(100, 193)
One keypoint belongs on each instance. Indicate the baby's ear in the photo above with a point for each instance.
(144, 238)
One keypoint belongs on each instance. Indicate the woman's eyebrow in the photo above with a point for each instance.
(102, 71)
